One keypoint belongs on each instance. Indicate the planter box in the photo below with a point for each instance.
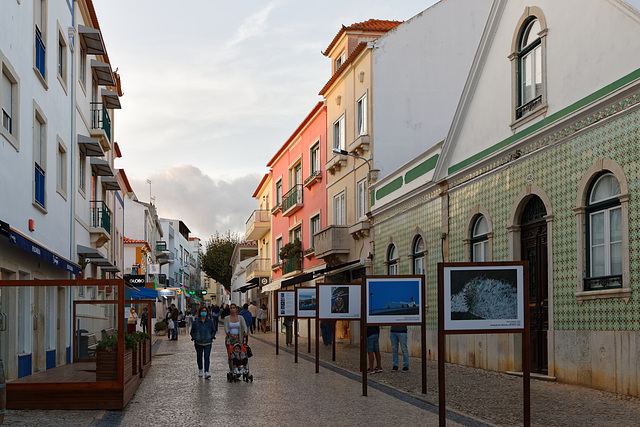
(106, 365)
(128, 365)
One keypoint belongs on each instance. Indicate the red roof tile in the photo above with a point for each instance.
(373, 25)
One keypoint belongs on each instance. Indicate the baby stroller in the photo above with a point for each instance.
(238, 363)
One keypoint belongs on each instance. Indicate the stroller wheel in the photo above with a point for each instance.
(251, 378)
(229, 376)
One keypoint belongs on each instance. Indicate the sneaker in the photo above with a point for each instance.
(371, 371)
(394, 369)
(207, 375)
(200, 373)
(378, 369)
(405, 369)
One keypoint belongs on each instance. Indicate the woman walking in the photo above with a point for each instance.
(236, 329)
(203, 333)
(132, 321)
(262, 318)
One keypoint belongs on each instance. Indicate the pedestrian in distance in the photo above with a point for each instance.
(235, 329)
(288, 325)
(132, 321)
(225, 312)
(246, 314)
(215, 315)
(398, 335)
(144, 320)
(262, 318)
(254, 315)
(202, 334)
(373, 349)
(327, 331)
(174, 316)
(167, 317)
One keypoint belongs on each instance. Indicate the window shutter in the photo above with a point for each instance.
(7, 94)
(343, 134)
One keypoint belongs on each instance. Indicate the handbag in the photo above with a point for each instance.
(249, 352)
(170, 325)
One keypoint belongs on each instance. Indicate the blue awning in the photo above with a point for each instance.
(35, 249)
(143, 293)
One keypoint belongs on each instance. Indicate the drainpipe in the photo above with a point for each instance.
(72, 189)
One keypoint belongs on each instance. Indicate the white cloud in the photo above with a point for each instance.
(204, 204)
(253, 25)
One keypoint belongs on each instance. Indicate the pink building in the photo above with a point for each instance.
(299, 193)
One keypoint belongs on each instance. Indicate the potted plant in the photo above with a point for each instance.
(132, 344)
(160, 327)
(291, 250)
(107, 359)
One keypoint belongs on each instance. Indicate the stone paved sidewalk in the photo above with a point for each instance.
(494, 398)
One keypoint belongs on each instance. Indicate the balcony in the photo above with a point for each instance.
(360, 145)
(40, 53)
(292, 200)
(333, 243)
(313, 178)
(309, 252)
(336, 163)
(258, 224)
(277, 208)
(291, 265)
(101, 124)
(259, 267)
(359, 229)
(100, 227)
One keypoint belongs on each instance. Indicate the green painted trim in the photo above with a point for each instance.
(547, 120)
(424, 167)
(389, 188)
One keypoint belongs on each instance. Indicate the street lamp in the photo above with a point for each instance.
(373, 173)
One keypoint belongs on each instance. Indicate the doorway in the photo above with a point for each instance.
(533, 238)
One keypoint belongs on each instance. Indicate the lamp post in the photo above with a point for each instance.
(369, 174)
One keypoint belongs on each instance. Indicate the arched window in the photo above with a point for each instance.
(528, 64)
(392, 260)
(604, 233)
(417, 253)
(479, 240)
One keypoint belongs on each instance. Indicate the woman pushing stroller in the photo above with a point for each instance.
(236, 340)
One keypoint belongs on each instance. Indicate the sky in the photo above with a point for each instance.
(213, 89)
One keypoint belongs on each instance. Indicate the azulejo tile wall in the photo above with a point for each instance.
(557, 170)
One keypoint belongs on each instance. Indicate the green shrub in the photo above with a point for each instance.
(160, 326)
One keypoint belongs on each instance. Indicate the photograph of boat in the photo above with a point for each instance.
(339, 299)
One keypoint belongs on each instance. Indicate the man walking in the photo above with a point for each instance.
(215, 315)
(398, 334)
(174, 316)
(246, 314)
(254, 315)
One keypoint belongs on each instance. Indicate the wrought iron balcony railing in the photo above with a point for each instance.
(292, 198)
(291, 264)
(100, 215)
(100, 118)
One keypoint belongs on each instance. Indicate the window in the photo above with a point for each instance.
(82, 170)
(39, 157)
(527, 60)
(82, 69)
(339, 136)
(315, 227)
(9, 102)
(278, 249)
(339, 62)
(296, 175)
(339, 209)
(61, 166)
(315, 159)
(479, 240)
(296, 234)
(62, 59)
(279, 193)
(604, 229)
(362, 198)
(417, 253)
(40, 39)
(392, 260)
(362, 115)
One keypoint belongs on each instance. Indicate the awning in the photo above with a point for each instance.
(101, 167)
(111, 99)
(143, 293)
(102, 70)
(91, 146)
(92, 40)
(111, 269)
(101, 262)
(110, 183)
(88, 252)
(298, 279)
(273, 286)
(315, 274)
(39, 251)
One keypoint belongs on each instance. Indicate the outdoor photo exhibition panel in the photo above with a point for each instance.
(483, 298)
(305, 309)
(336, 301)
(393, 300)
(285, 307)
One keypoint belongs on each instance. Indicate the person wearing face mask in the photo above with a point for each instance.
(202, 334)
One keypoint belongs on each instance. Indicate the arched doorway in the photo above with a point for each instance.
(533, 243)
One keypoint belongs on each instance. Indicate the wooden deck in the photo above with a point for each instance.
(71, 386)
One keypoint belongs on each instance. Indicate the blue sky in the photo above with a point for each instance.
(213, 89)
(396, 291)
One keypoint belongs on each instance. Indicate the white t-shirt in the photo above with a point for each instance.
(234, 328)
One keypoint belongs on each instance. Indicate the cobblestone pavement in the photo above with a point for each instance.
(495, 398)
(286, 393)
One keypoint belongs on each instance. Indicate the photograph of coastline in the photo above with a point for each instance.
(306, 302)
(394, 299)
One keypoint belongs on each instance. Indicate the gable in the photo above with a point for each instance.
(581, 63)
